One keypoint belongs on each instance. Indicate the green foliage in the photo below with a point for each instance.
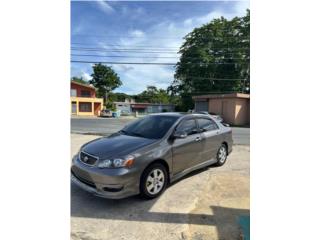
(104, 79)
(217, 50)
(110, 106)
(118, 97)
(79, 80)
(153, 95)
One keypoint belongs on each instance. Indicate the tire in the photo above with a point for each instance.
(151, 186)
(222, 155)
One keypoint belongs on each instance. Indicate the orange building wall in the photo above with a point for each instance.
(223, 107)
(242, 114)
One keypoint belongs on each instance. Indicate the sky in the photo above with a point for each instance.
(137, 31)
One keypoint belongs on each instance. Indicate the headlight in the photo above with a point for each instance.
(117, 162)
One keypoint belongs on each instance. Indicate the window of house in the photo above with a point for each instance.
(85, 93)
(207, 124)
(189, 126)
(85, 107)
(73, 92)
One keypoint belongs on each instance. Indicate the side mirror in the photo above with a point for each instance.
(180, 134)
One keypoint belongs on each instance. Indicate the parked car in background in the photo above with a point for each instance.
(106, 113)
(149, 153)
(213, 115)
(216, 116)
(125, 113)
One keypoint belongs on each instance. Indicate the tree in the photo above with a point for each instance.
(105, 80)
(118, 97)
(79, 80)
(214, 59)
(153, 95)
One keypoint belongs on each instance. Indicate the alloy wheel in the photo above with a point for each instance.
(155, 181)
(222, 154)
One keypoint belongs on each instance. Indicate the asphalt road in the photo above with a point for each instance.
(106, 126)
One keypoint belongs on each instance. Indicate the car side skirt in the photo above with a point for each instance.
(189, 170)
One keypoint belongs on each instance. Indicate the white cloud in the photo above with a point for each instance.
(239, 10)
(86, 76)
(136, 33)
(105, 7)
(241, 7)
(139, 77)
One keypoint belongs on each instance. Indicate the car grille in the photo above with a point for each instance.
(88, 159)
(82, 177)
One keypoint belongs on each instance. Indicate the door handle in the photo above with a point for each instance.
(198, 139)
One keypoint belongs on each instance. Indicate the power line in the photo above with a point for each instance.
(117, 45)
(119, 50)
(141, 47)
(147, 63)
(148, 49)
(215, 79)
(126, 56)
(145, 36)
(118, 56)
(128, 63)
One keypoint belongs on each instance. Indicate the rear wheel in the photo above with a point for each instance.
(222, 155)
(153, 181)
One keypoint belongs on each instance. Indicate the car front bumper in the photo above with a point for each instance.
(107, 183)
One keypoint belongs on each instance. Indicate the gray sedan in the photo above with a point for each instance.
(148, 154)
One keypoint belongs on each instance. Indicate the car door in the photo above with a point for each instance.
(211, 138)
(186, 151)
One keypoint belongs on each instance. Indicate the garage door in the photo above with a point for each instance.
(201, 106)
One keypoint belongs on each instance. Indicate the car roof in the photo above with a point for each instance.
(179, 114)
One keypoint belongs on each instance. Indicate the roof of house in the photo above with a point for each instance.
(83, 85)
(229, 95)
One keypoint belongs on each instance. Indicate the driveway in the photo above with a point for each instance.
(106, 126)
(204, 205)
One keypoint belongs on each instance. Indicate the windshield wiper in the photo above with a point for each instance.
(131, 133)
(137, 134)
(124, 132)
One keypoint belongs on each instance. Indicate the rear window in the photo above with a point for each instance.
(189, 126)
(207, 124)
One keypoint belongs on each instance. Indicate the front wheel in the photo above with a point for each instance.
(154, 181)
(222, 155)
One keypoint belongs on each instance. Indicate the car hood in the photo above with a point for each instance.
(116, 145)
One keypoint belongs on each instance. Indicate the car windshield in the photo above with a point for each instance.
(153, 126)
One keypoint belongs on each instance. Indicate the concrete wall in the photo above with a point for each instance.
(234, 111)
(242, 111)
(223, 107)
(125, 106)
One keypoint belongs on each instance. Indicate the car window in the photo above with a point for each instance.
(207, 124)
(189, 126)
(154, 127)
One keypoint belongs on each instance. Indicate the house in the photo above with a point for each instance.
(130, 106)
(234, 108)
(84, 101)
(124, 106)
(146, 108)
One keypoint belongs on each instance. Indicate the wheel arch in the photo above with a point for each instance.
(161, 161)
(226, 144)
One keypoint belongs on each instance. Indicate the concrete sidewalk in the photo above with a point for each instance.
(204, 205)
